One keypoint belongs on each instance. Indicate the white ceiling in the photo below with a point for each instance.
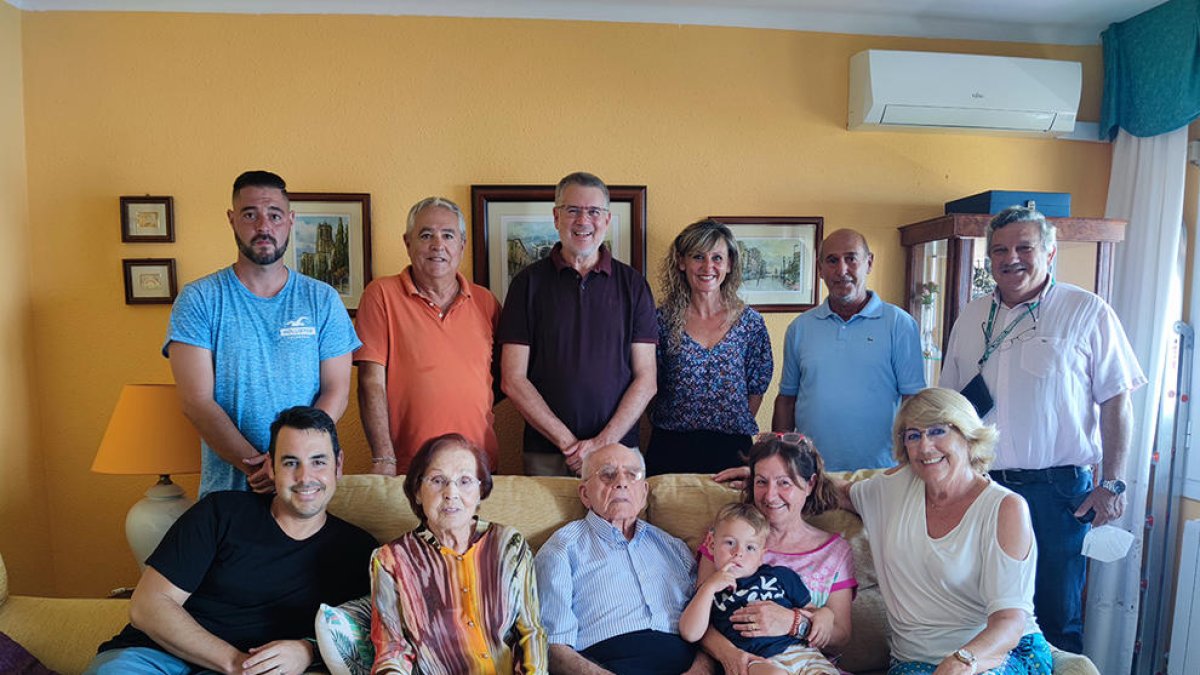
(1044, 21)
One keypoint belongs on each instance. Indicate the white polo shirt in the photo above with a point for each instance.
(1047, 382)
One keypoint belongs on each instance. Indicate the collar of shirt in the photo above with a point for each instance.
(610, 533)
(872, 310)
(410, 287)
(603, 265)
(1046, 289)
(426, 535)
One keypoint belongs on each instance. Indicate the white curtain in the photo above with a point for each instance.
(1145, 188)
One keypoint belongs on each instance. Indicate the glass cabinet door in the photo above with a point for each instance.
(928, 303)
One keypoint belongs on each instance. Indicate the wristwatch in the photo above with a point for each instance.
(1115, 486)
(966, 657)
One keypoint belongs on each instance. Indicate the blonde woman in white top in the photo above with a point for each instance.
(954, 551)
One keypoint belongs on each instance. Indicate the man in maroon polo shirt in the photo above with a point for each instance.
(579, 335)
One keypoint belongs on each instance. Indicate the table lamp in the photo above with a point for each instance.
(148, 435)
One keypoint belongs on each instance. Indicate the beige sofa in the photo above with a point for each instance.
(64, 633)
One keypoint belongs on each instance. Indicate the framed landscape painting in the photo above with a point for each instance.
(513, 226)
(331, 241)
(779, 260)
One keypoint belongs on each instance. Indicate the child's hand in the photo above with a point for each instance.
(721, 580)
(821, 630)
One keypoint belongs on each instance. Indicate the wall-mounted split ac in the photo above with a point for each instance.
(892, 89)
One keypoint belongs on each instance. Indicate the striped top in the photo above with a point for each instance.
(595, 585)
(438, 612)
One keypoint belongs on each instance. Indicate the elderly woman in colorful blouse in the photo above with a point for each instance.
(458, 594)
(714, 357)
(954, 551)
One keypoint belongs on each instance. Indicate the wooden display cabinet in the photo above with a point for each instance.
(945, 269)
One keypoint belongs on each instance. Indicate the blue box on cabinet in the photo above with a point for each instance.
(1051, 204)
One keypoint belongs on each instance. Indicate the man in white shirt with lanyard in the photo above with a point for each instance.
(1049, 364)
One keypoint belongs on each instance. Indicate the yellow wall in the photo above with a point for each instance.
(24, 539)
(714, 120)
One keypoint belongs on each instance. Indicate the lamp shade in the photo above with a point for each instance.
(148, 434)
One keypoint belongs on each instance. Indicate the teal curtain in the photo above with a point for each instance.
(1152, 71)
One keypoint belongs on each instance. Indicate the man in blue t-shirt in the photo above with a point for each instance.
(254, 338)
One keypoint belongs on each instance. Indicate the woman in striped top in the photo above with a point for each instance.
(458, 594)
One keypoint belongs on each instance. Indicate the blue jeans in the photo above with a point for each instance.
(139, 661)
(1052, 495)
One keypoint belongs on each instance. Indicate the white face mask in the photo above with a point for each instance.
(1107, 543)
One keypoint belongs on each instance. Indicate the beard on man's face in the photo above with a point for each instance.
(266, 257)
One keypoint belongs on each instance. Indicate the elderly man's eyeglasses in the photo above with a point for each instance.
(933, 433)
(592, 212)
(611, 474)
(440, 482)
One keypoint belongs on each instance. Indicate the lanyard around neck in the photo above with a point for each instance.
(990, 345)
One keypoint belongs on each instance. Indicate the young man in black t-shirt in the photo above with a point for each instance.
(236, 582)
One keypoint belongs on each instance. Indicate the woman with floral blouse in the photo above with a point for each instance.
(714, 357)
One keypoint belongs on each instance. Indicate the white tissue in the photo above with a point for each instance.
(1107, 543)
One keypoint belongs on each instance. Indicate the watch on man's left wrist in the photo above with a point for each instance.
(1116, 486)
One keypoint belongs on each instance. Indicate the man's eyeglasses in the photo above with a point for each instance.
(440, 482)
(933, 433)
(592, 212)
(611, 474)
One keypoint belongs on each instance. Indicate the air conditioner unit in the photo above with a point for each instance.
(892, 90)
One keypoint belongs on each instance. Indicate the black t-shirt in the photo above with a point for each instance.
(777, 584)
(251, 583)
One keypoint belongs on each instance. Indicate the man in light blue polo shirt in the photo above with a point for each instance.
(254, 338)
(848, 362)
(612, 586)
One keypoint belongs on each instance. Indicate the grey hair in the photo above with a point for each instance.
(583, 470)
(430, 202)
(1024, 214)
(582, 179)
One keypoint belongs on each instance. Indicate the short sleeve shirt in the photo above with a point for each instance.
(249, 582)
(707, 389)
(266, 353)
(848, 377)
(580, 332)
(1050, 378)
(776, 584)
(439, 365)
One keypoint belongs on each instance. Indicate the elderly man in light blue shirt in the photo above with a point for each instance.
(848, 362)
(612, 586)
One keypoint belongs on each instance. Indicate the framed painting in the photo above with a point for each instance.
(779, 260)
(149, 281)
(147, 220)
(513, 226)
(331, 241)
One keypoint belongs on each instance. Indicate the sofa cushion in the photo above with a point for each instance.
(344, 637)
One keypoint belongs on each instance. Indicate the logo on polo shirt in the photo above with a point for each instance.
(297, 328)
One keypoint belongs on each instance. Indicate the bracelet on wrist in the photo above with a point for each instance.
(384, 460)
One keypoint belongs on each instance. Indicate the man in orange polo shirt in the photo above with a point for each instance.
(425, 367)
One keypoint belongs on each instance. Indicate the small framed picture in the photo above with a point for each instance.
(331, 241)
(149, 281)
(779, 260)
(147, 220)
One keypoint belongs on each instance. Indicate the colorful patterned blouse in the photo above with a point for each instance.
(706, 389)
(437, 612)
